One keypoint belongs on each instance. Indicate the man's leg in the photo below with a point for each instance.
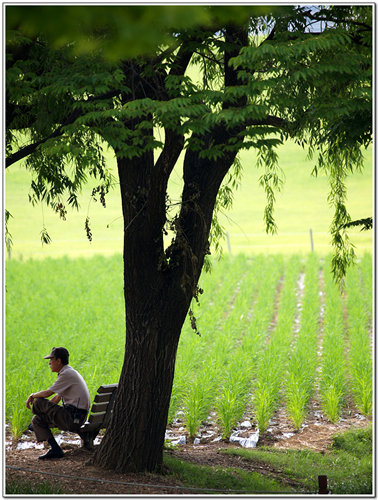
(42, 424)
(49, 415)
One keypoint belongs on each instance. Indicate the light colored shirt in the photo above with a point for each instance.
(72, 388)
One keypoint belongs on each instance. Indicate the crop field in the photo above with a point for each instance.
(275, 333)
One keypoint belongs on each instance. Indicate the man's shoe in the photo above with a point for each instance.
(52, 454)
(30, 428)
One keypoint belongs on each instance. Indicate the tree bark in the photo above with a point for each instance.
(135, 438)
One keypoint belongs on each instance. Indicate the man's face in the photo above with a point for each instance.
(55, 364)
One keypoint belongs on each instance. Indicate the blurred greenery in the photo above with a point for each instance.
(131, 30)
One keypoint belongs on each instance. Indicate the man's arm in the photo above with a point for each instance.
(56, 399)
(40, 394)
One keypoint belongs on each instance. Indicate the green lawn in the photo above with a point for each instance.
(301, 206)
(347, 464)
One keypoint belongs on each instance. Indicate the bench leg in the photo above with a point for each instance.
(88, 438)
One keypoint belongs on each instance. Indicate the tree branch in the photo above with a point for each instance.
(31, 148)
(173, 145)
(366, 224)
(336, 20)
(274, 121)
(212, 59)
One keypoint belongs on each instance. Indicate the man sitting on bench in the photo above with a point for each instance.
(71, 389)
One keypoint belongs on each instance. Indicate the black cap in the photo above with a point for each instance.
(57, 352)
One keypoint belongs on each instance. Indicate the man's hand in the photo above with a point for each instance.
(29, 401)
(40, 394)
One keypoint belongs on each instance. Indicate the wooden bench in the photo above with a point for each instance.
(99, 415)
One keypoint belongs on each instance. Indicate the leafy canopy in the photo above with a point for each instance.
(87, 75)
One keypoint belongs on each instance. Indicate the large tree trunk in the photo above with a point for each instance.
(158, 286)
(135, 438)
(156, 308)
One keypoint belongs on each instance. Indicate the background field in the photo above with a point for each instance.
(254, 309)
(300, 207)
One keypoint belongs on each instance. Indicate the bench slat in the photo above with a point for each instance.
(102, 398)
(95, 418)
(88, 427)
(107, 388)
(99, 407)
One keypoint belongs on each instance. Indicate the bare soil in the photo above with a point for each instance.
(76, 476)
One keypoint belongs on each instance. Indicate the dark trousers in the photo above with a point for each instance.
(48, 415)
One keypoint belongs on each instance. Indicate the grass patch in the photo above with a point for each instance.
(221, 479)
(359, 442)
(16, 486)
(348, 465)
(244, 223)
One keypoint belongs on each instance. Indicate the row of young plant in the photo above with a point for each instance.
(333, 375)
(302, 363)
(234, 396)
(345, 366)
(272, 363)
(216, 361)
(231, 338)
(221, 321)
(360, 364)
(347, 346)
(193, 348)
(237, 336)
